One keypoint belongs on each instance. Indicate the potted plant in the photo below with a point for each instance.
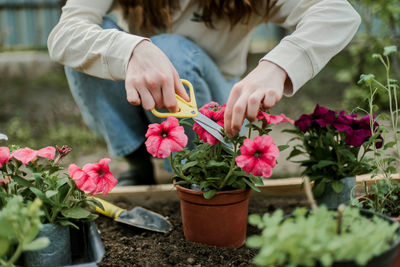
(214, 182)
(335, 145)
(36, 174)
(383, 196)
(19, 226)
(322, 237)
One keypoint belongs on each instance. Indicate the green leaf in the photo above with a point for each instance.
(256, 179)
(209, 194)
(366, 79)
(319, 188)
(295, 152)
(323, 163)
(213, 163)
(40, 195)
(337, 186)
(190, 164)
(389, 145)
(4, 246)
(251, 185)
(37, 176)
(38, 243)
(283, 147)
(76, 213)
(51, 193)
(389, 50)
(22, 181)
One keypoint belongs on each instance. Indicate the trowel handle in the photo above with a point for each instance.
(110, 210)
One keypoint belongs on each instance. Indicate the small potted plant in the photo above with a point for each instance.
(212, 181)
(334, 145)
(36, 174)
(383, 196)
(19, 226)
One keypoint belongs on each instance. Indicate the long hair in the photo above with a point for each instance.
(150, 16)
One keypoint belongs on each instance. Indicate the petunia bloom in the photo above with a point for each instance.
(25, 155)
(93, 178)
(165, 138)
(321, 116)
(47, 152)
(215, 112)
(258, 156)
(273, 119)
(4, 155)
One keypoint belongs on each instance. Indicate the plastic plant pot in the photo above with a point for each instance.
(331, 199)
(220, 221)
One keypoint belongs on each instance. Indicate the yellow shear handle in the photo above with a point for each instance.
(110, 210)
(186, 109)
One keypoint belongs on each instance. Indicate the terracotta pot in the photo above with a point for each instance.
(220, 221)
(396, 262)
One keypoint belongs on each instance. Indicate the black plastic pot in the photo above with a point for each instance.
(86, 246)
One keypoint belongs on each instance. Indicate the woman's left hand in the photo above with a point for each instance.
(263, 87)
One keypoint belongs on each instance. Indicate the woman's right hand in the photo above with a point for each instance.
(151, 79)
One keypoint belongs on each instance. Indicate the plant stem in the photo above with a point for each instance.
(171, 162)
(309, 194)
(231, 168)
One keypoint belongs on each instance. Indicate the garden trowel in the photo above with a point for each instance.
(138, 217)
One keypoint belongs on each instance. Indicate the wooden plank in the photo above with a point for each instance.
(166, 192)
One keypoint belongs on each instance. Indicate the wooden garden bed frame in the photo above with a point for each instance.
(165, 192)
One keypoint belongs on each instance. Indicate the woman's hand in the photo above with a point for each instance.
(151, 79)
(263, 87)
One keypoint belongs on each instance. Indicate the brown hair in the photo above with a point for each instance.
(148, 16)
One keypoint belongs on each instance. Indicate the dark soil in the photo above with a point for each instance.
(129, 246)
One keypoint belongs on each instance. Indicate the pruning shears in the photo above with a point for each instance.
(190, 110)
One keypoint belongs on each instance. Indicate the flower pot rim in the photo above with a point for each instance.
(196, 192)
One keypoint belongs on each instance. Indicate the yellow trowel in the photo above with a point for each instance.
(138, 217)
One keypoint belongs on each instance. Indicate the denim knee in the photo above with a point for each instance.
(185, 55)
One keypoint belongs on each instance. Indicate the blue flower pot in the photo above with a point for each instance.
(331, 199)
(57, 253)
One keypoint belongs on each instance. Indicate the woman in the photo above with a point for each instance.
(105, 42)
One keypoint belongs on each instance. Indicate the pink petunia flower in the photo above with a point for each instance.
(165, 138)
(273, 119)
(4, 155)
(47, 152)
(258, 156)
(215, 112)
(93, 178)
(25, 155)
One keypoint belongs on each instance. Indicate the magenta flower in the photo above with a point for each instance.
(258, 156)
(215, 112)
(360, 131)
(273, 119)
(93, 178)
(4, 155)
(321, 115)
(165, 138)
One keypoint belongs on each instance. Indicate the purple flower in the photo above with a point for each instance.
(321, 115)
(344, 121)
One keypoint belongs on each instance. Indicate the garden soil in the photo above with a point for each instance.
(129, 246)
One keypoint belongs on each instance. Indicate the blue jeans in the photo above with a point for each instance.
(123, 126)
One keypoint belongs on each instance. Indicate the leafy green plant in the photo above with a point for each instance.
(19, 226)
(384, 196)
(320, 237)
(36, 174)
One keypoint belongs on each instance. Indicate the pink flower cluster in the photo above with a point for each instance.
(258, 156)
(93, 178)
(26, 155)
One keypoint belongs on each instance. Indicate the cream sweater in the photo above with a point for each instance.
(321, 28)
